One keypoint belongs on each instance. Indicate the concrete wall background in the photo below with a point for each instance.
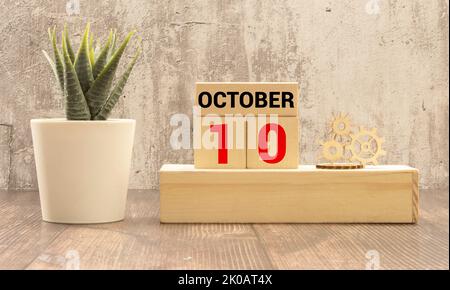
(383, 61)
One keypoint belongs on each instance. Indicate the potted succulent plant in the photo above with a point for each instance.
(83, 161)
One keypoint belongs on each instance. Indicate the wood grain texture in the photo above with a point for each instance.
(375, 194)
(141, 242)
(420, 246)
(23, 236)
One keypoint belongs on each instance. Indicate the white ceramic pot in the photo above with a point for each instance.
(83, 168)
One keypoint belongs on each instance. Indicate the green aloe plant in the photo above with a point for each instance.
(86, 78)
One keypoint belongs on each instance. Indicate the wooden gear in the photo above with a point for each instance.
(363, 147)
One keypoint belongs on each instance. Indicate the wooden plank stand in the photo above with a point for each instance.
(375, 194)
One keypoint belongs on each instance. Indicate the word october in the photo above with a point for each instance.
(247, 98)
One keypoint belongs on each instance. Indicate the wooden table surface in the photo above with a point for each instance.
(141, 242)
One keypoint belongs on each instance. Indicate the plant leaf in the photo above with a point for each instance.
(69, 46)
(97, 50)
(113, 44)
(98, 93)
(82, 63)
(91, 51)
(92, 59)
(102, 59)
(117, 91)
(52, 64)
(58, 61)
(76, 106)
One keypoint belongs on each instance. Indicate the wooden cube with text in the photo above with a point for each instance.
(272, 142)
(265, 98)
(219, 142)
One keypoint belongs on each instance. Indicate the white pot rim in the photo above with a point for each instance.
(80, 122)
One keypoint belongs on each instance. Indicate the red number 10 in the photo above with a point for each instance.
(263, 139)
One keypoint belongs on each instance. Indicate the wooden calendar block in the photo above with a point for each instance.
(220, 142)
(247, 98)
(272, 142)
(375, 194)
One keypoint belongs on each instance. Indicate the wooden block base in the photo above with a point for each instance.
(375, 194)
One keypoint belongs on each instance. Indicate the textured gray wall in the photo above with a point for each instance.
(386, 65)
